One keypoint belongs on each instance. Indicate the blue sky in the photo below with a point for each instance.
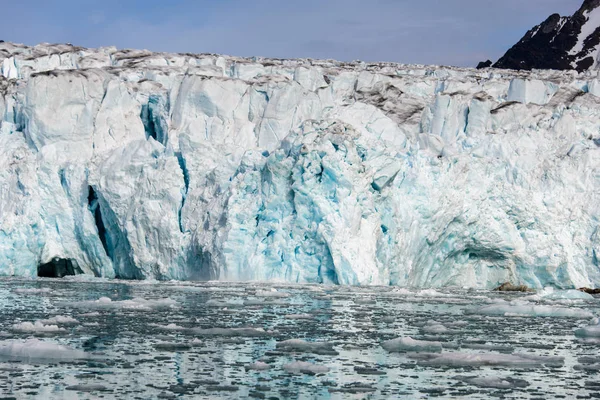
(449, 32)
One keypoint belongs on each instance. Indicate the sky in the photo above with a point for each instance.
(443, 32)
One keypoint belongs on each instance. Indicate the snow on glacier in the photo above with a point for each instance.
(143, 165)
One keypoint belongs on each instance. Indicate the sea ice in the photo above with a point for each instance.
(37, 327)
(34, 349)
(407, 344)
(524, 309)
(302, 367)
(257, 366)
(299, 345)
(488, 359)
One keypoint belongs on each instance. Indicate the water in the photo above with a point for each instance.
(165, 346)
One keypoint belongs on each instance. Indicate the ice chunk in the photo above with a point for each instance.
(488, 359)
(137, 304)
(524, 309)
(271, 293)
(365, 301)
(430, 293)
(241, 332)
(550, 293)
(408, 344)
(494, 382)
(299, 345)
(299, 316)
(59, 319)
(435, 328)
(33, 291)
(257, 366)
(88, 388)
(169, 327)
(301, 367)
(34, 349)
(37, 327)
(230, 303)
(588, 332)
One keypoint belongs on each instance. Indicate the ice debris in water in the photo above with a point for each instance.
(302, 367)
(271, 293)
(299, 316)
(488, 359)
(32, 290)
(257, 366)
(434, 327)
(60, 319)
(522, 308)
(408, 344)
(230, 303)
(493, 382)
(549, 293)
(88, 387)
(138, 304)
(34, 349)
(592, 331)
(299, 345)
(37, 327)
(241, 332)
(169, 327)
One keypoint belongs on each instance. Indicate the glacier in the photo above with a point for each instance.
(138, 165)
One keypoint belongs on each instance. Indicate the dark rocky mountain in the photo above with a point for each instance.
(561, 43)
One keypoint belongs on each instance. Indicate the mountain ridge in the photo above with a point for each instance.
(560, 43)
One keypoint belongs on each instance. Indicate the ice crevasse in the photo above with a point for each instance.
(140, 165)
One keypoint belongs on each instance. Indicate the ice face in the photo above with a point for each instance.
(163, 166)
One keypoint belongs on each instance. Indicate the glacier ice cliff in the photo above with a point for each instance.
(140, 165)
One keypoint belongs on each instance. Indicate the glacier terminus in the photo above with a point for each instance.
(140, 165)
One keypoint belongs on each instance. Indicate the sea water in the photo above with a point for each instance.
(92, 338)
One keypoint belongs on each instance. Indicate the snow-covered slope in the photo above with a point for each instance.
(560, 43)
(179, 166)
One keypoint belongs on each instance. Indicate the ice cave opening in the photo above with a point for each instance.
(58, 268)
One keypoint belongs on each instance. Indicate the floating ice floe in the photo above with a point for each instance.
(588, 332)
(88, 387)
(519, 309)
(230, 303)
(301, 367)
(34, 349)
(37, 327)
(60, 319)
(170, 327)
(138, 304)
(487, 359)
(434, 327)
(271, 293)
(32, 290)
(299, 316)
(493, 382)
(241, 332)
(408, 344)
(299, 345)
(549, 293)
(257, 366)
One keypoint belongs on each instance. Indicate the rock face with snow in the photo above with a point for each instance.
(142, 165)
(560, 43)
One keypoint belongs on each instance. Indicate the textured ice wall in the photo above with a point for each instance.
(174, 166)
